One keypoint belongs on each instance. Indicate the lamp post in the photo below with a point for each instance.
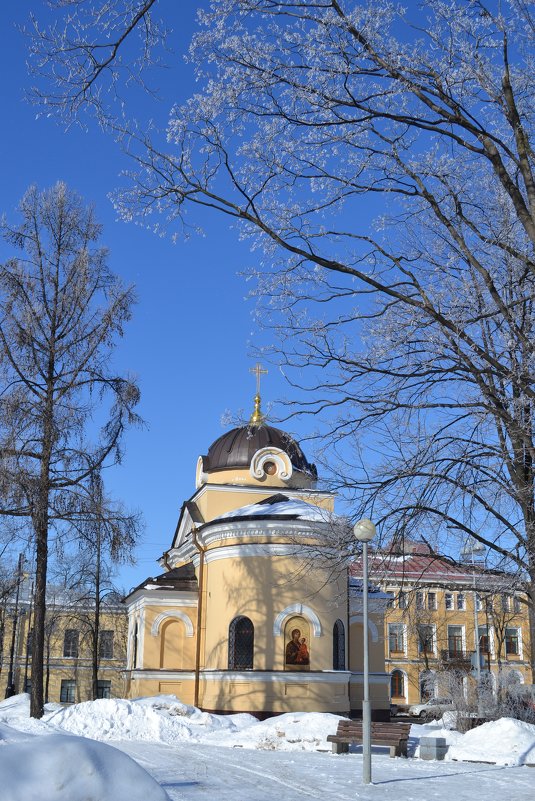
(364, 531)
(472, 548)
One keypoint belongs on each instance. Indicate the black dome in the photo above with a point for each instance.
(236, 448)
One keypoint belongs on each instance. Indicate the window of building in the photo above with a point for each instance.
(455, 641)
(431, 600)
(506, 603)
(339, 646)
(460, 601)
(512, 645)
(70, 643)
(479, 605)
(402, 600)
(448, 600)
(484, 641)
(425, 639)
(68, 691)
(397, 684)
(427, 685)
(241, 644)
(103, 689)
(419, 600)
(105, 645)
(516, 604)
(28, 686)
(395, 637)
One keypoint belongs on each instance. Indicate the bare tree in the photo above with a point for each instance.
(416, 329)
(60, 311)
(105, 539)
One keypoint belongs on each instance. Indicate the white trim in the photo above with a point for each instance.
(245, 551)
(216, 531)
(297, 609)
(372, 628)
(405, 682)
(141, 639)
(357, 677)
(170, 598)
(275, 677)
(177, 615)
(270, 454)
(165, 675)
(298, 492)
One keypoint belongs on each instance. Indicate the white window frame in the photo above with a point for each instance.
(403, 628)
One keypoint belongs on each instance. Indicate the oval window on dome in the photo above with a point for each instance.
(270, 468)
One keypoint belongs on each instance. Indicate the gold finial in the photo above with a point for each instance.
(257, 418)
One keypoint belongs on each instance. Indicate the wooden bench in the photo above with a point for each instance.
(395, 735)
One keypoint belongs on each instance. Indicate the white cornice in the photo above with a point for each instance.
(165, 675)
(249, 550)
(169, 598)
(374, 678)
(213, 533)
(249, 488)
(274, 677)
(253, 676)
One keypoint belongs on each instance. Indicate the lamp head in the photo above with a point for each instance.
(364, 530)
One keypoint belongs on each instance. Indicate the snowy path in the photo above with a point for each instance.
(210, 773)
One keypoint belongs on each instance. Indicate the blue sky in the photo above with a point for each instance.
(189, 342)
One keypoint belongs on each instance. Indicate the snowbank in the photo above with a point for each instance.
(65, 768)
(505, 742)
(161, 719)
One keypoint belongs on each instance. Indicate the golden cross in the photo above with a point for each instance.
(257, 369)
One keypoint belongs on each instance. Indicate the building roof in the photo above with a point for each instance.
(278, 507)
(417, 563)
(179, 578)
(237, 447)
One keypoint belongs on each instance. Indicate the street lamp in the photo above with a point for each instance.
(471, 548)
(364, 531)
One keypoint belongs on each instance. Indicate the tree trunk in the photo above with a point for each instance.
(96, 622)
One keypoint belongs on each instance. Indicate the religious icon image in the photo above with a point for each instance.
(297, 656)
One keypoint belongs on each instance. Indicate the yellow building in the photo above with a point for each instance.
(244, 617)
(431, 623)
(69, 628)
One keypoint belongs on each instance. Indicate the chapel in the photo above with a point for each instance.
(246, 616)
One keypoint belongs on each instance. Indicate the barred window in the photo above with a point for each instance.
(241, 644)
(339, 646)
(70, 643)
(105, 644)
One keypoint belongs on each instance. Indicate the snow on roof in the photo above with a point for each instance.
(280, 506)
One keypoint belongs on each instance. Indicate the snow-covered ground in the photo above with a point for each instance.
(161, 746)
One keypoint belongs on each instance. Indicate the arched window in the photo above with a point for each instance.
(397, 684)
(339, 646)
(240, 644)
